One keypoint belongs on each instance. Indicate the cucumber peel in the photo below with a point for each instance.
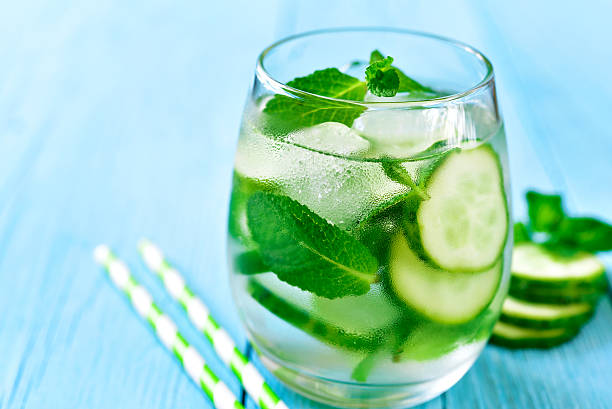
(463, 226)
(537, 315)
(541, 276)
(442, 296)
(300, 317)
(533, 262)
(242, 188)
(513, 336)
(556, 296)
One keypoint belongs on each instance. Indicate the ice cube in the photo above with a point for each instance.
(332, 137)
(342, 190)
(402, 133)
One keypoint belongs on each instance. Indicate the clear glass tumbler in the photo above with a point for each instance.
(369, 236)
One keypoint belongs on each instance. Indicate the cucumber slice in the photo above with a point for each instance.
(361, 315)
(536, 315)
(512, 336)
(522, 285)
(556, 295)
(242, 188)
(296, 307)
(464, 225)
(535, 266)
(442, 296)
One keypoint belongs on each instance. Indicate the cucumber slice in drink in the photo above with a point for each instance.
(297, 307)
(536, 315)
(534, 267)
(513, 336)
(361, 315)
(242, 188)
(463, 226)
(443, 296)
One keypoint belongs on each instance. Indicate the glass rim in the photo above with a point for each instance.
(488, 77)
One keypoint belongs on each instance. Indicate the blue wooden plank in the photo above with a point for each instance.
(574, 375)
(112, 129)
(118, 121)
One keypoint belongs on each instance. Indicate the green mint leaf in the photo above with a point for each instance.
(584, 233)
(376, 56)
(306, 251)
(382, 79)
(250, 263)
(545, 211)
(332, 83)
(365, 366)
(287, 113)
(521, 234)
(396, 172)
(406, 84)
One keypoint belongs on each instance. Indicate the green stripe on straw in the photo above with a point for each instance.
(199, 315)
(166, 331)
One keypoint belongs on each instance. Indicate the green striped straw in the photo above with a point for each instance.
(199, 315)
(166, 331)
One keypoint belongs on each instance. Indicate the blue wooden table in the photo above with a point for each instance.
(119, 120)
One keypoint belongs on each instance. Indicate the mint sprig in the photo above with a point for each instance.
(406, 84)
(396, 172)
(585, 233)
(560, 232)
(306, 251)
(545, 211)
(285, 113)
(382, 78)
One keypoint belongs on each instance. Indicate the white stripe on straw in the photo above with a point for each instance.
(166, 331)
(199, 315)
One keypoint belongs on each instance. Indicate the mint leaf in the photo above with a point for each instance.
(406, 84)
(332, 83)
(521, 234)
(584, 233)
(286, 113)
(306, 251)
(565, 235)
(376, 56)
(365, 366)
(382, 79)
(250, 263)
(396, 172)
(545, 211)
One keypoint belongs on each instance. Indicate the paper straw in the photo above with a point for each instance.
(199, 315)
(166, 331)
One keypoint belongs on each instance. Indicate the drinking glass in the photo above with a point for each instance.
(369, 237)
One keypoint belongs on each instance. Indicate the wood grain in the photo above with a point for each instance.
(119, 121)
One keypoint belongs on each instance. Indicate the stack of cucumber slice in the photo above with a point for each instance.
(555, 284)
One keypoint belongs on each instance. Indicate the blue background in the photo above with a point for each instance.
(118, 120)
